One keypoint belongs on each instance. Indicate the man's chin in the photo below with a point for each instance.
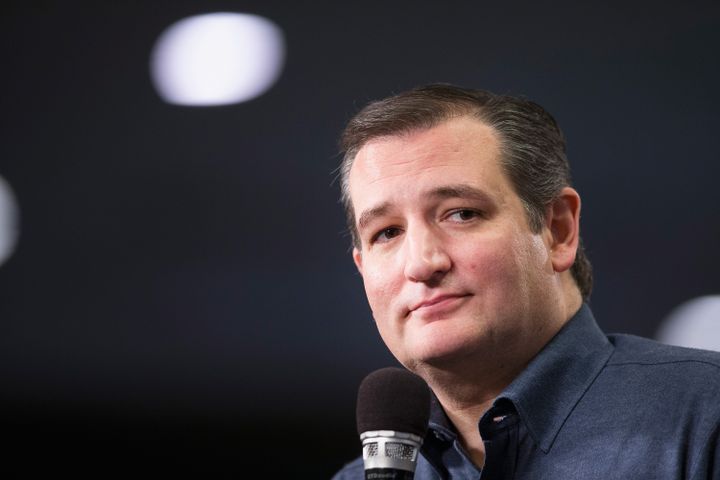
(444, 354)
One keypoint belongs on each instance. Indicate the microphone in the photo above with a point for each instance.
(393, 410)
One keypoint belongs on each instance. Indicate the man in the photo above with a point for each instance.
(466, 234)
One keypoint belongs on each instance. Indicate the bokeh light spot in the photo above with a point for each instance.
(217, 59)
(9, 221)
(695, 324)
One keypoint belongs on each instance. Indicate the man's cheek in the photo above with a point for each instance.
(486, 265)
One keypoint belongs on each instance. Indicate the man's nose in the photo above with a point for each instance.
(426, 258)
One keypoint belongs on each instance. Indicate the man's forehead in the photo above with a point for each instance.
(463, 143)
(448, 134)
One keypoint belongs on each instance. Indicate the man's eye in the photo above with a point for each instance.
(386, 234)
(463, 215)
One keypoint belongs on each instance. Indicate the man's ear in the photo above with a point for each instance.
(563, 222)
(357, 258)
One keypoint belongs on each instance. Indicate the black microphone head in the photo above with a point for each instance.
(393, 398)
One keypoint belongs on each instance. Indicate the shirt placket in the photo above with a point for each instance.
(499, 431)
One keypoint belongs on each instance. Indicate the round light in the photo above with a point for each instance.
(695, 324)
(217, 59)
(9, 224)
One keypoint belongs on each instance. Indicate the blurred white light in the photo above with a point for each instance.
(695, 323)
(217, 59)
(9, 224)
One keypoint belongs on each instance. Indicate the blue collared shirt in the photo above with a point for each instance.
(590, 406)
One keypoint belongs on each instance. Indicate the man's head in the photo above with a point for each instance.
(465, 227)
(532, 147)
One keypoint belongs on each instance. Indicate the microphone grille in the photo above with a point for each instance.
(393, 398)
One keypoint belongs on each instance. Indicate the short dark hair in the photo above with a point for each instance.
(531, 143)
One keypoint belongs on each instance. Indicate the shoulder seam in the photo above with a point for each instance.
(662, 362)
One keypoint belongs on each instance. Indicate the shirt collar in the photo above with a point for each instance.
(439, 423)
(547, 390)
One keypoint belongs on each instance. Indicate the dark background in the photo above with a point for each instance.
(182, 300)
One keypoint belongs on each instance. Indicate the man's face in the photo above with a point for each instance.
(449, 263)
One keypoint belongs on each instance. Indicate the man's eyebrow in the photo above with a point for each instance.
(442, 192)
(368, 215)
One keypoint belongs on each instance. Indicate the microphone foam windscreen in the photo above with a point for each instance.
(393, 398)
